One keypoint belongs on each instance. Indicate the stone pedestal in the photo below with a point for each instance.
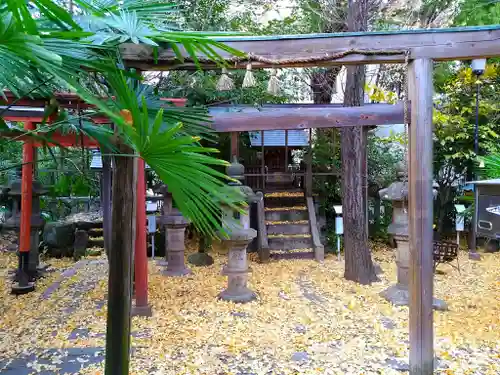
(176, 227)
(398, 294)
(237, 267)
(37, 222)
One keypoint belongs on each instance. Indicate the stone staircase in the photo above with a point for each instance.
(96, 237)
(288, 227)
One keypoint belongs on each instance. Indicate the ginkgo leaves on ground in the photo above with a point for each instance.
(307, 320)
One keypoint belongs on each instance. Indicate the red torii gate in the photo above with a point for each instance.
(30, 118)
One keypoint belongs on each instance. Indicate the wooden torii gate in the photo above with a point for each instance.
(417, 47)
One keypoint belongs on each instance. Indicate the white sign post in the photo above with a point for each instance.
(339, 227)
(459, 221)
(152, 231)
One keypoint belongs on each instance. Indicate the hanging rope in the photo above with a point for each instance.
(251, 57)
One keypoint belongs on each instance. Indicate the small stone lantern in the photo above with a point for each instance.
(176, 227)
(167, 200)
(236, 224)
(397, 193)
(37, 221)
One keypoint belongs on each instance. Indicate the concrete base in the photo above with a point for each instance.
(146, 311)
(474, 256)
(243, 296)
(17, 289)
(400, 297)
(177, 272)
(43, 267)
(378, 269)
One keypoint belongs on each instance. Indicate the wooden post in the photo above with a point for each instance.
(106, 199)
(235, 149)
(420, 217)
(142, 307)
(263, 162)
(23, 277)
(309, 178)
(26, 192)
(364, 178)
(120, 262)
(286, 150)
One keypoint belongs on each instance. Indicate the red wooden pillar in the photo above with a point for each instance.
(142, 307)
(24, 286)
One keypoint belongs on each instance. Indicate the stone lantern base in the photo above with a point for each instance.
(399, 296)
(242, 295)
(237, 267)
(176, 227)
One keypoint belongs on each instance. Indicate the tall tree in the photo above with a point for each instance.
(358, 261)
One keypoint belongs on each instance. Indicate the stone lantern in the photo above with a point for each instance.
(176, 228)
(397, 193)
(37, 221)
(238, 234)
(167, 200)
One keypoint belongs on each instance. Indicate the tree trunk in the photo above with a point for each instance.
(358, 261)
(120, 265)
(323, 83)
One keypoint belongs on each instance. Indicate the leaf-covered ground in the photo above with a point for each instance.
(307, 320)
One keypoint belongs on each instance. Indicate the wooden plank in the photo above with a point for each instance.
(420, 218)
(309, 176)
(263, 244)
(106, 199)
(286, 150)
(308, 117)
(308, 50)
(263, 161)
(319, 249)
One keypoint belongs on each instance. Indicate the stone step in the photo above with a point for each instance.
(278, 255)
(283, 201)
(289, 242)
(290, 228)
(95, 232)
(287, 214)
(95, 242)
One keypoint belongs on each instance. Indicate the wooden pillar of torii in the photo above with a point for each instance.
(142, 306)
(24, 284)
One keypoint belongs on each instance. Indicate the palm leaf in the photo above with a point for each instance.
(178, 159)
(31, 52)
(491, 166)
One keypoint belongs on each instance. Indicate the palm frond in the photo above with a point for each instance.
(195, 120)
(491, 166)
(178, 159)
(21, 11)
(196, 43)
(62, 50)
